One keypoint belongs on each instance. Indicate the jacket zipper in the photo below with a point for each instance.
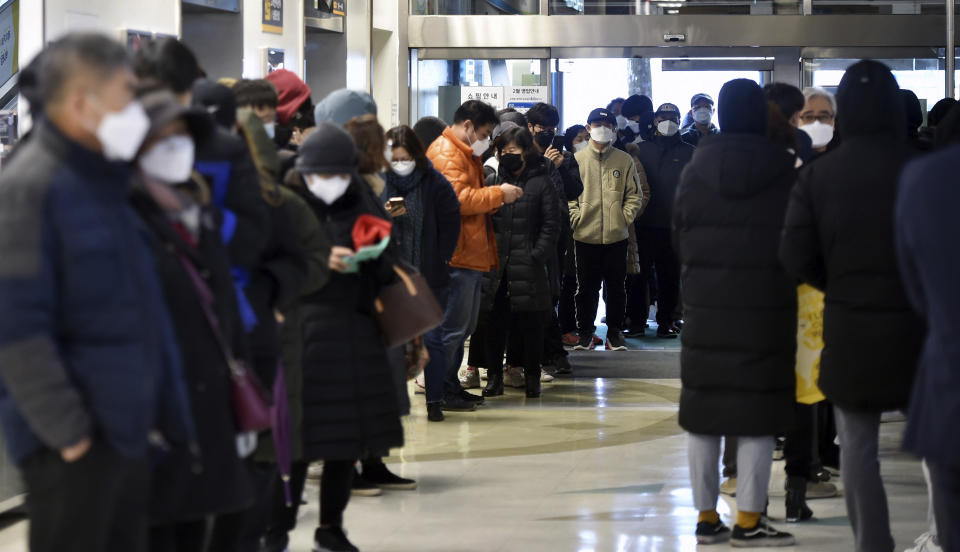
(602, 206)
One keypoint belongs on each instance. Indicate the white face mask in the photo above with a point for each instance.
(271, 129)
(480, 147)
(622, 122)
(667, 128)
(581, 146)
(403, 168)
(633, 126)
(327, 188)
(121, 133)
(170, 160)
(820, 133)
(702, 115)
(602, 134)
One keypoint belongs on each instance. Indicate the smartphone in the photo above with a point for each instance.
(559, 141)
(396, 202)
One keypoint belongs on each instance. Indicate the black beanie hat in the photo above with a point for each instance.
(428, 129)
(869, 101)
(329, 150)
(912, 110)
(219, 101)
(742, 108)
(939, 111)
(636, 105)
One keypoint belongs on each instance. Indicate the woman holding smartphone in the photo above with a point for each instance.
(426, 227)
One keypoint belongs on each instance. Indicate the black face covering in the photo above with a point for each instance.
(544, 138)
(511, 163)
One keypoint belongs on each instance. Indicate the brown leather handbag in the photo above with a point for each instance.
(407, 309)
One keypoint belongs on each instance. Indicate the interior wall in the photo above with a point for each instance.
(385, 92)
(325, 54)
(217, 40)
(255, 39)
(358, 34)
(109, 16)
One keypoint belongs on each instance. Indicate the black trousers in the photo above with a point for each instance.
(946, 504)
(335, 487)
(283, 516)
(567, 309)
(241, 531)
(528, 327)
(657, 259)
(188, 536)
(638, 301)
(100, 503)
(596, 265)
(798, 451)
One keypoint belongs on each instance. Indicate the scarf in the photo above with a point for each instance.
(408, 229)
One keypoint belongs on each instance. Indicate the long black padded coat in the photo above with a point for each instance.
(350, 402)
(839, 237)
(740, 306)
(527, 232)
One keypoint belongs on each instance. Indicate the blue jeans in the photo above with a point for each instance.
(435, 373)
(459, 322)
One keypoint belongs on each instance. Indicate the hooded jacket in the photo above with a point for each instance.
(291, 93)
(611, 196)
(726, 231)
(663, 159)
(477, 246)
(342, 105)
(839, 237)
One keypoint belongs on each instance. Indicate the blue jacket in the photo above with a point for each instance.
(86, 344)
(927, 226)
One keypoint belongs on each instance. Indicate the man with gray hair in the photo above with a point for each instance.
(89, 367)
(818, 117)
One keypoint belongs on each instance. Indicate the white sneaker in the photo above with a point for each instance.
(483, 374)
(315, 470)
(514, 377)
(419, 385)
(470, 378)
(925, 543)
(545, 376)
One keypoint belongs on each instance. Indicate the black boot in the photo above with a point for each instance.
(531, 377)
(797, 509)
(494, 386)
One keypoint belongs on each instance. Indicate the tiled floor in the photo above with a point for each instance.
(596, 465)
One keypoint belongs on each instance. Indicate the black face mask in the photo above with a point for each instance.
(511, 163)
(544, 139)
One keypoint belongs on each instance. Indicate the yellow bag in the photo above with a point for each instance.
(809, 344)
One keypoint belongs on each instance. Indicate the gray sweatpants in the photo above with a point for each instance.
(859, 434)
(754, 461)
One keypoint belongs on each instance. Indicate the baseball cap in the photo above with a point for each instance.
(668, 109)
(601, 115)
(701, 96)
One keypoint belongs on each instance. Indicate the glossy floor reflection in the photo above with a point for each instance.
(597, 465)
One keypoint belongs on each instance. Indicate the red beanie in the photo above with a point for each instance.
(291, 93)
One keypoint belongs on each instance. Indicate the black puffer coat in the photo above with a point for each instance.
(663, 159)
(527, 232)
(350, 404)
(187, 487)
(727, 221)
(839, 238)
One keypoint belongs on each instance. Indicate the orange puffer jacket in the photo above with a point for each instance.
(477, 248)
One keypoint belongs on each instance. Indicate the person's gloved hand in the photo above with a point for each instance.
(246, 444)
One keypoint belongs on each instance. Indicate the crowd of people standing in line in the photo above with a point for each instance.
(174, 244)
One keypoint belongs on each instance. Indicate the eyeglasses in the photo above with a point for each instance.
(825, 118)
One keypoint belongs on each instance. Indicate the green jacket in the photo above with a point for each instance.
(611, 197)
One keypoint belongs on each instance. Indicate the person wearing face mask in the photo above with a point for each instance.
(426, 228)
(701, 113)
(222, 159)
(457, 155)
(191, 486)
(663, 158)
(260, 95)
(838, 237)
(600, 217)
(350, 402)
(818, 117)
(517, 294)
(81, 298)
(789, 99)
